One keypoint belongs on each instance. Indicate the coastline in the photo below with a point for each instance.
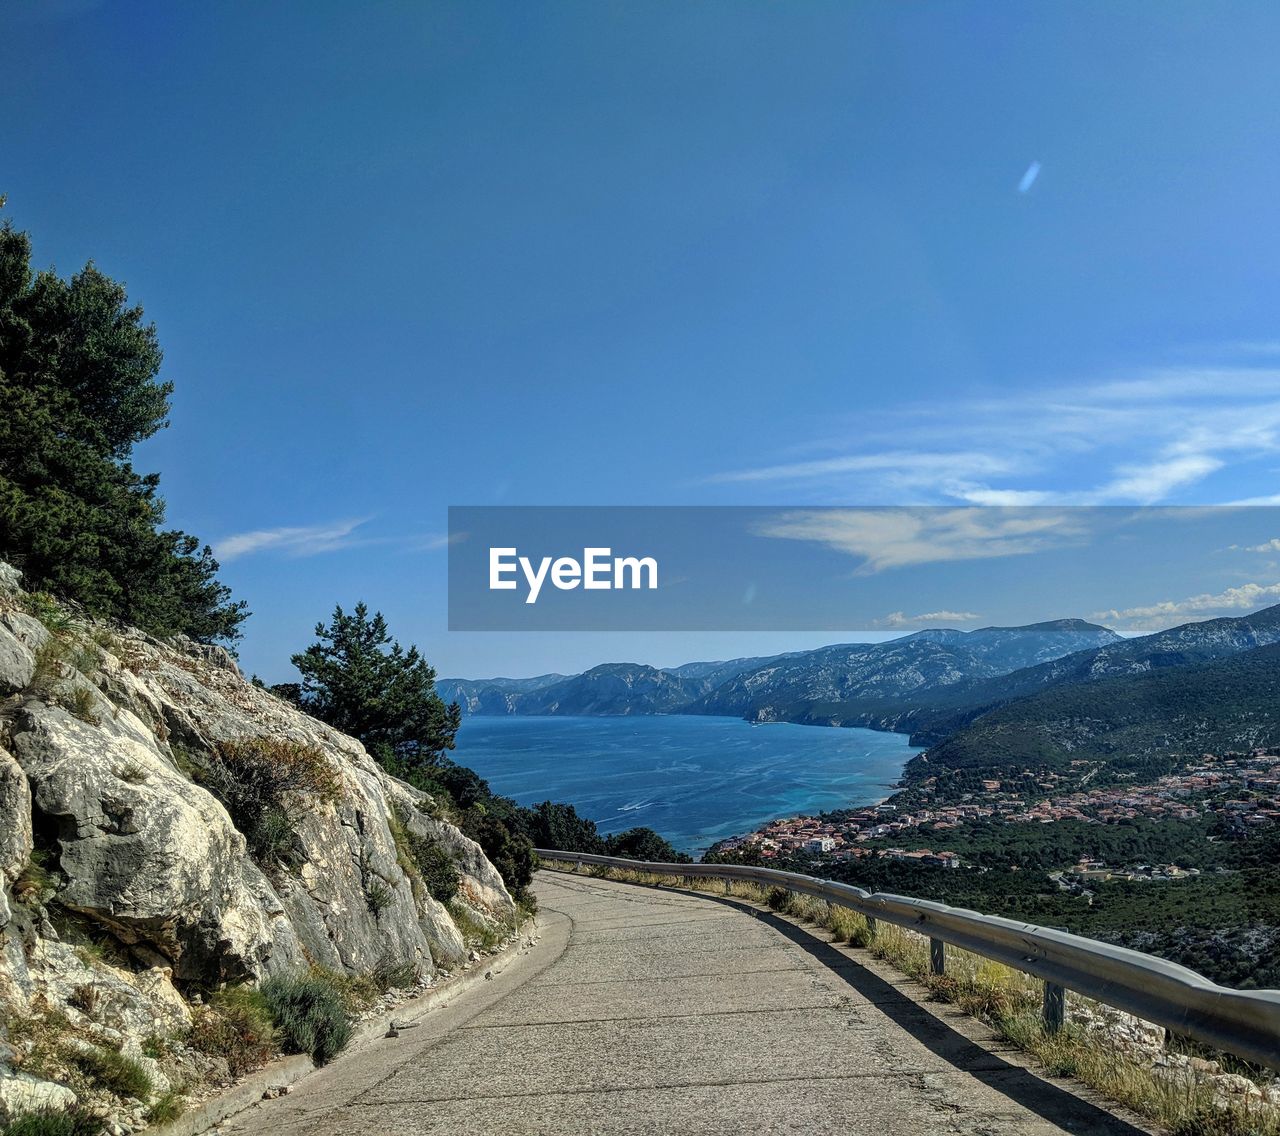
(696, 779)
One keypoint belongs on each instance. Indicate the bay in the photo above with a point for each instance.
(694, 779)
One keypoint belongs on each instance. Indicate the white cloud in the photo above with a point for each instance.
(297, 540)
(897, 538)
(1158, 436)
(433, 542)
(897, 619)
(1029, 178)
(1147, 484)
(1170, 612)
(1272, 545)
(932, 465)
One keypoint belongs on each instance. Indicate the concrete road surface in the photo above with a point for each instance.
(655, 1011)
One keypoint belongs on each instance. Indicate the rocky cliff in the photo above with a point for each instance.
(167, 828)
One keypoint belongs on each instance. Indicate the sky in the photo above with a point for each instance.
(408, 256)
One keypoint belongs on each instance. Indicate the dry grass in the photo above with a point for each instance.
(1007, 1000)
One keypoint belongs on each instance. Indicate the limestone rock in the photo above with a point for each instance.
(29, 632)
(15, 820)
(20, 1094)
(143, 854)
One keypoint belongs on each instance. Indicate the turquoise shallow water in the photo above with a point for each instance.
(694, 779)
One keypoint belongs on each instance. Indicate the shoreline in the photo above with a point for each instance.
(695, 779)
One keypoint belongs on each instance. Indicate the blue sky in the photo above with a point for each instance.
(408, 256)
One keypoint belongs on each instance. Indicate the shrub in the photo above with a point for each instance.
(84, 659)
(49, 658)
(779, 899)
(392, 974)
(256, 778)
(236, 1026)
(360, 991)
(168, 1107)
(475, 932)
(36, 883)
(48, 611)
(50, 1122)
(112, 1070)
(378, 896)
(424, 860)
(849, 926)
(81, 702)
(439, 870)
(310, 1014)
(132, 772)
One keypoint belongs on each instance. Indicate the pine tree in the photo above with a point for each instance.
(360, 681)
(79, 388)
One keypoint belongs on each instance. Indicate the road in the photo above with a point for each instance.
(656, 1011)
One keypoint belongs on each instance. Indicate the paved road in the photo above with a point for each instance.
(647, 1011)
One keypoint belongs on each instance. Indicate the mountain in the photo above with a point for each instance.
(608, 689)
(1182, 646)
(930, 684)
(491, 695)
(613, 689)
(867, 680)
(1126, 719)
(861, 683)
(711, 675)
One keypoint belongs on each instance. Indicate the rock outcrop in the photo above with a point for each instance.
(127, 892)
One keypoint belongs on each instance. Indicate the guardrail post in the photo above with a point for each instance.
(1055, 1006)
(937, 956)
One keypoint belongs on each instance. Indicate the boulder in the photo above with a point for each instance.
(20, 1094)
(143, 850)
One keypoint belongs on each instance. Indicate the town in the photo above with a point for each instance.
(1242, 789)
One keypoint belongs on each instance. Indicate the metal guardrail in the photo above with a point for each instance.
(1243, 1022)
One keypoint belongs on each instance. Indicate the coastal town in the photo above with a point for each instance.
(1241, 789)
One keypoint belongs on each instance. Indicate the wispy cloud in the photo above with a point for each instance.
(435, 541)
(1154, 617)
(332, 536)
(292, 540)
(896, 619)
(1272, 545)
(896, 538)
(1029, 178)
(1152, 438)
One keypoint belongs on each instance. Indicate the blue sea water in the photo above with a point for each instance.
(694, 779)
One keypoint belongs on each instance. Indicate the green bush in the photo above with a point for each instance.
(778, 899)
(168, 1107)
(475, 932)
(111, 1070)
(237, 1026)
(378, 897)
(258, 780)
(310, 1014)
(37, 883)
(438, 869)
(49, 1122)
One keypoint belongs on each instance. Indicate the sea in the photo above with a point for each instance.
(694, 779)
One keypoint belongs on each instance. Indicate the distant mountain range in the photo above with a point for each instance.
(982, 701)
(780, 687)
(1124, 718)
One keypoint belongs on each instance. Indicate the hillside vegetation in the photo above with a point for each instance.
(1135, 723)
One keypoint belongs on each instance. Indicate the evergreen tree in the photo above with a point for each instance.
(362, 682)
(78, 385)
